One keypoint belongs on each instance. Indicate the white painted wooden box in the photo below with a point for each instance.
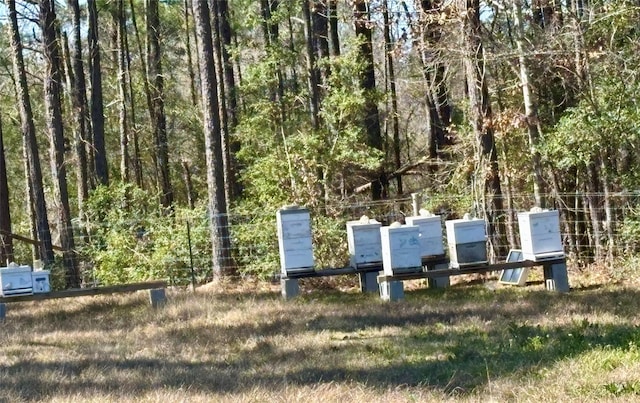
(363, 240)
(294, 240)
(467, 242)
(16, 280)
(40, 281)
(431, 240)
(540, 235)
(400, 249)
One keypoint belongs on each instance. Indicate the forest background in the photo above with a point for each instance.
(156, 139)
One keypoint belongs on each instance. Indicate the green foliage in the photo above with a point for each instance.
(287, 161)
(630, 232)
(599, 126)
(131, 239)
(603, 126)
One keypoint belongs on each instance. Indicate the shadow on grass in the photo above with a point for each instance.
(467, 360)
(92, 312)
(453, 340)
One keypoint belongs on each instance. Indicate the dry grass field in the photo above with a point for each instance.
(475, 341)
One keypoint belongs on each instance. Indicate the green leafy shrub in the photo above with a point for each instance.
(131, 239)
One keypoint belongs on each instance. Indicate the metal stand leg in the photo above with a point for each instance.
(556, 278)
(290, 287)
(158, 297)
(368, 281)
(391, 290)
(439, 282)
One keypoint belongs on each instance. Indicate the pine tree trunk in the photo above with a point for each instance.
(368, 84)
(334, 37)
(79, 107)
(218, 219)
(119, 21)
(98, 154)
(187, 42)
(313, 74)
(6, 242)
(154, 65)
(391, 76)
(530, 109)
(222, 101)
(480, 117)
(433, 70)
(32, 157)
(230, 95)
(53, 118)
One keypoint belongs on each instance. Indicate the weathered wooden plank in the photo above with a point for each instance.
(80, 292)
(335, 272)
(468, 270)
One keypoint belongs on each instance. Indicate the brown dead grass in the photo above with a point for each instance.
(240, 342)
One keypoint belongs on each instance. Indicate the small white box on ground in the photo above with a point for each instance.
(540, 234)
(363, 240)
(40, 281)
(431, 241)
(294, 240)
(400, 249)
(16, 280)
(467, 242)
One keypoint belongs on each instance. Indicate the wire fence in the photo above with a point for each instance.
(595, 228)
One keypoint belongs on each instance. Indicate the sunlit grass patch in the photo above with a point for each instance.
(469, 342)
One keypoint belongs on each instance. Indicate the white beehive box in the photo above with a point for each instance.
(431, 241)
(400, 249)
(294, 240)
(467, 242)
(40, 281)
(540, 235)
(16, 280)
(363, 240)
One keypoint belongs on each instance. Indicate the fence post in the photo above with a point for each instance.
(193, 275)
(416, 202)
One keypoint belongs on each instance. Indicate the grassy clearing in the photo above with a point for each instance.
(470, 342)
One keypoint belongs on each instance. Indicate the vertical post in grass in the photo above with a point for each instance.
(3, 311)
(193, 274)
(416, 201)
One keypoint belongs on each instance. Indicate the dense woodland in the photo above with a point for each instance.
(121, 120)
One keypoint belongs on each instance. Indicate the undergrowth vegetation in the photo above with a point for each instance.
(474, 341)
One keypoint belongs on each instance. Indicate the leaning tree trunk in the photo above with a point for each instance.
(32, 156)
(218, 219)
(6, 242)
(53, 118)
